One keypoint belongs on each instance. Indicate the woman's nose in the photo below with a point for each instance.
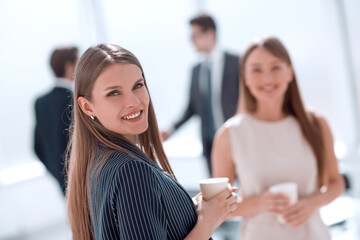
(267, 77)
(132, 100)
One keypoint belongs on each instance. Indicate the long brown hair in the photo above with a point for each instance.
(292, 104)
(87, 133)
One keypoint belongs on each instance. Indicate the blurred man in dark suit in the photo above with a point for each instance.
(214, 88)
(53, 112)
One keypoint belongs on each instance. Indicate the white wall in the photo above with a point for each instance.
(310, 30)
(158, 33)
(29, 31)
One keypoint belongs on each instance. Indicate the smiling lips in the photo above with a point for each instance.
(132, 116)
(269, 88)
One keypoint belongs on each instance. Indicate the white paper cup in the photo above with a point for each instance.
(289, 189)
(211, 187)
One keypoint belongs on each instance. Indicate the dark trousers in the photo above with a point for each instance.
(207, 146)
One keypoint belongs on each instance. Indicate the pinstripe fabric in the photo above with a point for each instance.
(133, 198)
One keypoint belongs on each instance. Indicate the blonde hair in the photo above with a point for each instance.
(292, 104)
(86, 134)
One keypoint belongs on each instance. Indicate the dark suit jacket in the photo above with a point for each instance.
(51, 131)
(229, 97)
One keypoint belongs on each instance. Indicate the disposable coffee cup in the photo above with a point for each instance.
(289, 189)
(211, 187)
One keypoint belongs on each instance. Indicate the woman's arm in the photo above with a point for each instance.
(333, 181)
(299, 214)
(140, 212)
(138, 205)
(223, 166)
(221, 156)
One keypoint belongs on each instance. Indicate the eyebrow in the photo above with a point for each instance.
(273, 62)
(120, 87)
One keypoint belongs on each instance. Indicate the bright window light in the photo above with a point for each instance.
(340, 149)
(22, 172)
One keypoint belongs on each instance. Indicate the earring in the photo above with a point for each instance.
(92, 117)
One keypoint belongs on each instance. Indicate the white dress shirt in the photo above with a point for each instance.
(216, 60)
(64, 83)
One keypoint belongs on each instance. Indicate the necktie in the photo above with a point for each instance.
(208, 112)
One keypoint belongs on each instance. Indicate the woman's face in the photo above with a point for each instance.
(267, 76)
(120, 100)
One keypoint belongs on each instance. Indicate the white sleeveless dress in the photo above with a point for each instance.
(267, 153)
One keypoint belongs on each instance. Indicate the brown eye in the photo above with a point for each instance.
(275, 68)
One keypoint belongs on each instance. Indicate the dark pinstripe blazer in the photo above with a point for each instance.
(132, 198)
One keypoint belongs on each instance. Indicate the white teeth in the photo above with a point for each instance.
(132, 116)
(268, 88)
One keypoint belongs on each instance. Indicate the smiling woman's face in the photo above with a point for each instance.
(267, 76)
(120, 100)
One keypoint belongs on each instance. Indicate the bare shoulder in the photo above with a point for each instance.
(323, 123)
(222, 135)
(324, 129)
(221, 155)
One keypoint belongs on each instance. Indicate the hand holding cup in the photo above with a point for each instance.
(211, 187)
(289, 189)
(216, 202)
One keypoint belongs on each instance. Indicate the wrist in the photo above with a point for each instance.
(261, 207)
(316, 200)
(204, 228)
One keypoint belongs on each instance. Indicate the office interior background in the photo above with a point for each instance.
(322, 37)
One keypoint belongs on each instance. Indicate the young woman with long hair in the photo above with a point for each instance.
(274, 139)
(120, 183)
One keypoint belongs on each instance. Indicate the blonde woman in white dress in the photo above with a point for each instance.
(273, 139)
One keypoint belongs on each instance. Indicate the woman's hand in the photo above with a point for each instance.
(299, 213)
(196, 199)
(274, 203)
(217, 210)
(212, 213)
